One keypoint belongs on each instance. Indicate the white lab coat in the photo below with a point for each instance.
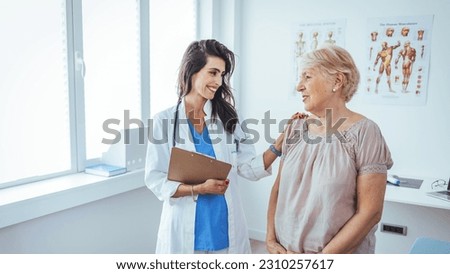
(176, 229)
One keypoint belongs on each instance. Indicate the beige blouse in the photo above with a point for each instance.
(318, 183)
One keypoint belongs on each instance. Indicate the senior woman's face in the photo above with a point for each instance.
(315, 89)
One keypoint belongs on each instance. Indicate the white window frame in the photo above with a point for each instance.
(75, 67)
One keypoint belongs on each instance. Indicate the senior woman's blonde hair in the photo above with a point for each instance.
(332, 60)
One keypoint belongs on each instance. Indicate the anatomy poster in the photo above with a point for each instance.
(398, 60)
(311, 35)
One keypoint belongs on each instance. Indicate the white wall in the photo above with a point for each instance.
(420, 221)
(418, 136)
(125, 223)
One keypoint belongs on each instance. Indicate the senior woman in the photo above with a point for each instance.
(329, 192)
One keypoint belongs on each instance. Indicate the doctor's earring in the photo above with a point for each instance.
(333, 90)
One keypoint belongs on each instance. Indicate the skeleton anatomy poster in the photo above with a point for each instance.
(398, 60)
(310, 35)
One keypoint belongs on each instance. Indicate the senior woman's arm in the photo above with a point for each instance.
(272, 244)
(370, 189)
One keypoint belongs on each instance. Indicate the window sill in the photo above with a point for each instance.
(25, 202)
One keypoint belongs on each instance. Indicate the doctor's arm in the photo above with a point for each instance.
(370, 189)
(269, 156)
(210, 186)
(255, 167)
(156, 178)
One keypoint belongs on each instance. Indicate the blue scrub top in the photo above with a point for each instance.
(211, 217)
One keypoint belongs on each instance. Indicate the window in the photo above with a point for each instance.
(171, 31)
(111, 46)
(72, 64)
(35, 124)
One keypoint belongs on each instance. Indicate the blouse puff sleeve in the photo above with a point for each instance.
(372, 152)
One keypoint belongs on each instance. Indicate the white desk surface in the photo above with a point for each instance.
(414, 196)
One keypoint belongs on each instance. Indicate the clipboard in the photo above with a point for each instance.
(194, 168)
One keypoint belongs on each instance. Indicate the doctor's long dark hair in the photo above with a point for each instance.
(194, 60)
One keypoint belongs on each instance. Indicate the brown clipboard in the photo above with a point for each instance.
(194, 168)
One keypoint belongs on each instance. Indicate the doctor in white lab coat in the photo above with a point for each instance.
(203, 83)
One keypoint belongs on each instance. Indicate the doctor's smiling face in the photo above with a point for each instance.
(206, 82)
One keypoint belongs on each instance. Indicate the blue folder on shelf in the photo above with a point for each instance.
(105, 170)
